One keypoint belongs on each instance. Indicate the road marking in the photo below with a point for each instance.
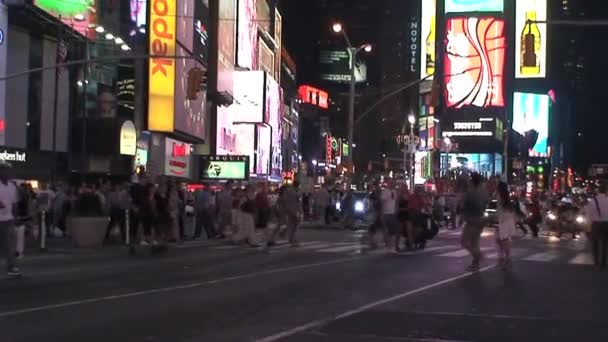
(582, 259)
(342, 248)
(542, 257)
(318, 323)
(456, 254)
(171, 288)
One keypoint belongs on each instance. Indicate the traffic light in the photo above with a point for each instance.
(197, 78)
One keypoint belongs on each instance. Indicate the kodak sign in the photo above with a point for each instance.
(161, 78)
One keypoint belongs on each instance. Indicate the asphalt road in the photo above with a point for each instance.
(329, 289)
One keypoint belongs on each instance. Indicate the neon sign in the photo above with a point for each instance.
(474, 62)
(313, 96)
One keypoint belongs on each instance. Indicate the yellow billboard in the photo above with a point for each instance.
(427, 46)
(161, 78)
(531, 39)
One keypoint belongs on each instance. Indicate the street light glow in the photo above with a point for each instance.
(125, 47)
(337, 27)
(412, 119)
(109, 36)
(314, 162)
(100, 29)
(118, 41)
(367, 48)
(79, 17)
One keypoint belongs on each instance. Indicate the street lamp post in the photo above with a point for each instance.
(410, 147)
(352, 53)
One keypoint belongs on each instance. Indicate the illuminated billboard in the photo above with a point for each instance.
(531, 42)
(224, 167)
(474, 62)
(262, 165)
(138, 12)
(247, 53)
(334, 65)
(530, 116)
(226, 47)
(273, 115)
(189, 114)
(185, 33)
(236, 130)
(427, 48)
(314, 96)
(467, 6)
(161, 77)
(77, 14)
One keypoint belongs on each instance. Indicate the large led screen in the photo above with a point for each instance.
(531, 40)
(273, 114)
(531, 114)
(334, 66)
(247, 53)
(185, 12)
(139, 13)
(201, 33)
(77, 14)
(466, 6)
(474, 62)
(236, 124)
(189, 114)
(263, 157)
(427, 47)
(226, 46)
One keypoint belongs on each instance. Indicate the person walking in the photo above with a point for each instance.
(388, 197)
(203, 206)
(403, 216)
(473, 207)
(597, 213)
(8, 205)
(291, 207)
(118, 202)
(246, 222)
(262, 206)
(415, 206)
(224, 208)
(323, 203)
(506, 226)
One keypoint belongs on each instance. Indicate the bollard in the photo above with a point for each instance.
(43, 230)
(127, 228)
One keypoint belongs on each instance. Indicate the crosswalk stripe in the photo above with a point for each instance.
(456, 254)
(317, 245)
(542, 257)
(342, 248)
(582, 259)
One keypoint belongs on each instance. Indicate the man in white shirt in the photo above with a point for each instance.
(8, 202)
(388, 198)
(597, 213)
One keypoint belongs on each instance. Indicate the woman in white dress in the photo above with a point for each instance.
(506, 226)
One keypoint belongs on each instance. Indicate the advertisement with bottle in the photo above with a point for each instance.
(531, 118)
(474, 62)
(189, 114)
(468, 6)
(531, 39)
(427, 46)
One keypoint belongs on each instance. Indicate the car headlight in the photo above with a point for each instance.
(552, 216)
(486, 214)
(338, 205)
(359, 207)
(580, 219)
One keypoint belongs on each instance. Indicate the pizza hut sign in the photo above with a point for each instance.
(177, 158)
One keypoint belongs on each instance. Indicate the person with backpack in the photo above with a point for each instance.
(597, 213)
(473, 207)
(506, 226)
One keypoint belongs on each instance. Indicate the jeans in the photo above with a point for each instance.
(204, 219)
(599, 236)
(471, 238)
(8, 243)
(117, 216)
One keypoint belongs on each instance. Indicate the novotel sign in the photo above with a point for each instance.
(161, 92)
